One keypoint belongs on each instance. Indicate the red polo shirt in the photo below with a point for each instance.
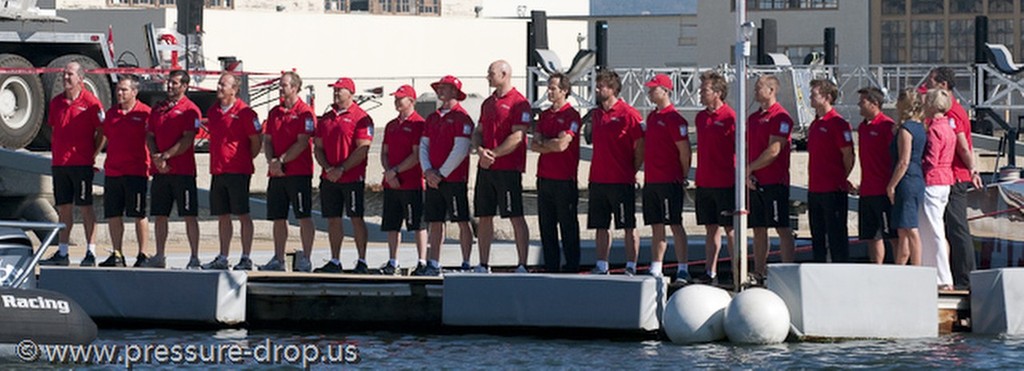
(230, 148)
(559, 165)
(961, 124)
(614, 135)
(284, 125)
(665, 128)
(761, 126)
(338, 132)
(74, 125)
(874, 138)
(716, 147)
(127, 152)
(442, 129)
(498, 115)
(400, 136)
(168, 123)
(826, 138)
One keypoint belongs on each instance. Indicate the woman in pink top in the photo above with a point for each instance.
(938, 176)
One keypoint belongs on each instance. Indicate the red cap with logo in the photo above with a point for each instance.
(344, 83)
(661, 80)
(453, 81)
(405, 91)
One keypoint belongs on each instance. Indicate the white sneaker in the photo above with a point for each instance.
(482, 269)
(522, 269)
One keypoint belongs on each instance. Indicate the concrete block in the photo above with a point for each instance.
(858, 300)
(997, 301)
(152, 295)
(549, 300)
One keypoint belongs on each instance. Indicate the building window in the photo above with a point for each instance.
(894, 7)
(927, 42)
(964, 7)
(1000, 31)
(894, 41)
(428, 7)
(1000, 6)
(219, 4)
(687, 34)
(209, 4)
(961, 40)
(926, 6)
(791, 4)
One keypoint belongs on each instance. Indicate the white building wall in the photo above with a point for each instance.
(378, 50)
(717, 30)
(514, 8)
(649, 41)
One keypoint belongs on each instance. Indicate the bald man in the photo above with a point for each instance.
(500, 142)
(76, 117)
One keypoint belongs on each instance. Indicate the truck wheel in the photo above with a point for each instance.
(21, 104)
(98, 84)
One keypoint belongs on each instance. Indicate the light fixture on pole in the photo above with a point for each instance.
(745, 30)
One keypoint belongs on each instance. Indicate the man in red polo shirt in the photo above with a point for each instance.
(874, 136)
(666, 166)
(234, 142)
(127, 170)
(341, 141)
(289, 154)
(558, 142)
(958, 232)
(171, 133)
(715, 200)
(76, 116)
(768, 145)
(830, 161)
(500, 142)
(403, 179)
(444, 151)
(618, 140)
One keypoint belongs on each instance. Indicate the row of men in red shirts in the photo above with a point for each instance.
(433, 151)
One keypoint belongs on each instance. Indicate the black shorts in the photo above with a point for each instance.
(874, 218)
(229, 194)
(169, 190)
(663, 203)
(125, 196)
(611, 199)
(715, 206)
(769, 207)
(72, 184)
(446, 202)
(295, 191)
(336, 198)
(402, 205)
(498, 192)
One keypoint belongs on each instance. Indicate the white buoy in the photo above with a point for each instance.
(695, 314)
(757, 316)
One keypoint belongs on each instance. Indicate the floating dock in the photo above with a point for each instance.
(614, 303)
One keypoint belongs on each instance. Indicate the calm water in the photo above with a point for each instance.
(416, 351)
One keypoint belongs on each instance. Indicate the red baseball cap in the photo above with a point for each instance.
(405, 91)
(661, 80)
(453, 81)
(344, 83)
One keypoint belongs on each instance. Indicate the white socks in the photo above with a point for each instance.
(63, 249)
(656, 269)
(602, 265)
(631, 265)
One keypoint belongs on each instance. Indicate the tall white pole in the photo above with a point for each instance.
(739, 218)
